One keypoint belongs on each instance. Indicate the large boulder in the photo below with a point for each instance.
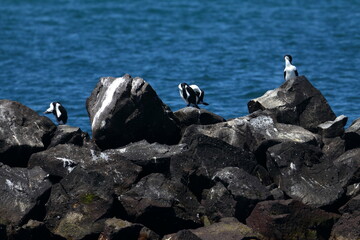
(245, 189)
(290, 220)
(331, 129)
(349, 166)
(297, 102)
(126, 109)
(68, 134)
(352, 135)
(255, 132)
(22, 132)
(204, 157)
(347, 228)
(152, 157)
(227, 229)
(120, 229)
(23, 195)
(79, 204)
(163, 205)
(61, 160)
(190, 115)
(303, 174)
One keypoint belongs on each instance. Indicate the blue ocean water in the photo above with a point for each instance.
(58, 50)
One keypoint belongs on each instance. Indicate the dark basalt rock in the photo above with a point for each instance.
(152, 157)
(331, 129)
(162, 205)
(301, 172)
(124, 110)
(246, 189)
(22, 132)
(65, 134)
(347, 228)
(79, 204)
(60, 160)
(23, 194)
(204, 157)
(333, 147)
(182, 235)
(33, 230)
(291, 220)
(189, 115)
(227, 229)
(218, 203)
(255, 132)
(296, 102)
(84, 198)
(120, 229)
(352, 135)
(349, 167)
(352, 205)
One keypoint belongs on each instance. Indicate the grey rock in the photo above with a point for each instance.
(333, 147)
(32, 230)
(257, 130)
(245, 188)
(152, 157)
(22, 132)
(61, 160)
(204, 157)
(162, 205)
(182, 235)
(290, 219)
(349, 167)
(66, 134)
(352, 135)
(227, 229)
(347, 228)
(297, 102)
(124, 110)
(120, 229)
(218, 203)
(79, 203)
(301, 172)
(23, 195)
(352, 205)
(335, 128)
(190, 115)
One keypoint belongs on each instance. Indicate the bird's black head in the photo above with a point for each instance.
(288, 57)
(183, 85)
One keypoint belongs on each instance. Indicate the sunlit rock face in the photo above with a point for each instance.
(297, 102)
(126, 109)
(22, 132)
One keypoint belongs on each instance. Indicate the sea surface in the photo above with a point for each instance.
(58, 50)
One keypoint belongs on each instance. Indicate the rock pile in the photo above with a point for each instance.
(288, 170)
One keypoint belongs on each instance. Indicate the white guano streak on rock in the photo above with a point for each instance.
(106, 100)
(67, 164)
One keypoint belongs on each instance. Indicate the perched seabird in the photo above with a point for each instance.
(188, 94)
(290, 70)
(199, 94)
(59, 112)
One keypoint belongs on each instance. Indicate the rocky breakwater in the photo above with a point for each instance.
(288, 170)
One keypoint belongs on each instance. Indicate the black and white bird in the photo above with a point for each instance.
(199, 94)
(59, 112)
(290, 70)
(188, 94)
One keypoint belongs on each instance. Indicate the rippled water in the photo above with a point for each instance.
(232, 49)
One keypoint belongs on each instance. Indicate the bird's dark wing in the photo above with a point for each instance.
(284, 74)
(296, 73)
(64, 115)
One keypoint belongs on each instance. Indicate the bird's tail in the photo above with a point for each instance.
(205, 103)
